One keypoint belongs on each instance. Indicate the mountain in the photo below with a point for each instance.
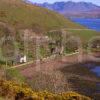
(73, 9)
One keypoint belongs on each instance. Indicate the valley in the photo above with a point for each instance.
(41, 50)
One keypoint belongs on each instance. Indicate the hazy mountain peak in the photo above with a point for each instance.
(70, 8)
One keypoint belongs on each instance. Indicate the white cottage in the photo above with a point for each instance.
(23, 59)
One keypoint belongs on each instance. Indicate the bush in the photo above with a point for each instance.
(53, 81)
(13, 91)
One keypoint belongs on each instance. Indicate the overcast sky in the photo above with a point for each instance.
(51, 1)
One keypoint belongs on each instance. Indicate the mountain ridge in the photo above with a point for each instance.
(73, 9)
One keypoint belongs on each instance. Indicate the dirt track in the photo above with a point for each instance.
(54, 64)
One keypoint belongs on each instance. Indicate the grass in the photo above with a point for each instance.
(1, 98)
(85, 35)
(29, 16)
(14, 74)
(22, 16)
(26, 16)
(18, 15)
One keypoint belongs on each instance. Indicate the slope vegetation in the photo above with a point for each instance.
(22, 15)
(13, 91)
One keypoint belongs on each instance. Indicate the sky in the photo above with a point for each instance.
(97, 2)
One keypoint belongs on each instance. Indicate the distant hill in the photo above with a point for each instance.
(73, 9)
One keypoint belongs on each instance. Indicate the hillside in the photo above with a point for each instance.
(21, 15)
(20, 25)
(17, 17)
(73, 9)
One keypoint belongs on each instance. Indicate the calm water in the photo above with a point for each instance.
(89, 23)
(96, 70)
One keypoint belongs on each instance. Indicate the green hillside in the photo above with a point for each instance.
(16, 16)
(85, 35)
(23, 15)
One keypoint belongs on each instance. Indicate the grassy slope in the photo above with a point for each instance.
(21, 16)
(85, 35)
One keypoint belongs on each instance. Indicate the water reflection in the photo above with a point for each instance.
(96, 70)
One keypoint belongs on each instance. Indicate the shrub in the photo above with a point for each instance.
(53, 81)
(13, 91)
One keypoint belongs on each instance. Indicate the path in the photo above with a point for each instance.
(50, 65)
(44, 60)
